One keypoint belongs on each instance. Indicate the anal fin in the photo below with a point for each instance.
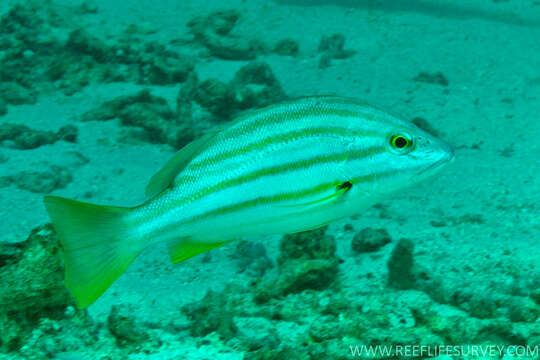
(185, 248)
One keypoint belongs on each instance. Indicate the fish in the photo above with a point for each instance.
(289, 167)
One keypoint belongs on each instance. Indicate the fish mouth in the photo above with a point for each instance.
(448, 157)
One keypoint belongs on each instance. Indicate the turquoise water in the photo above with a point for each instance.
(95, 96)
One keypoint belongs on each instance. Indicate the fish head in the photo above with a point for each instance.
(410, 155)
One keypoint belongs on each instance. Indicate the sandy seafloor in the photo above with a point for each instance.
(489, 51)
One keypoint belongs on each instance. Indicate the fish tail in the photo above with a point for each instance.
(97, 242)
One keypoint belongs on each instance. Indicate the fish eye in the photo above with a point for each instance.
(401, 143)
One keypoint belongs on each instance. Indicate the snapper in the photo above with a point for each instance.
(286, 168)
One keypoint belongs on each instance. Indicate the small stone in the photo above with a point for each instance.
(68, 133)
(70, 312)
(325, 61)
(287, 47)
(437, 78)
(27, 54)
(370, 240)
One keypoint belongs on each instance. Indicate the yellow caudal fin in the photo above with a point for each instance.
(98, 246)
(185, 248)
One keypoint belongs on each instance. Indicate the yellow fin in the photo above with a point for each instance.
(97, 245)
(166, 175)
(184, 248)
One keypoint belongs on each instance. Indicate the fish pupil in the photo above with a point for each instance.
(400, 142)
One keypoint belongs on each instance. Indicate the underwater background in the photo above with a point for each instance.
(96, 95)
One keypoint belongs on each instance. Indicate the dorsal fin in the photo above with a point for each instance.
(166, 175)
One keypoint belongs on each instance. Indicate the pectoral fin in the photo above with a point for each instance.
(341, 190)
(185, 248)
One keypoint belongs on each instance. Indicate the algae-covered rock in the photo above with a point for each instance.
(278, 353)
(370, 240)
(68, 133)
(307, 245)
(154, 119)
(332, 47)
(151, 114)
(184, 99)
(125, 328)
(217, 97)
(32, 285)
(3, 107)
(307, 261)
(523, 309)
(535, 296)
(45, 181)
(251, 256)
(15, 94)
(9, 253)
(325, 328)
(37, 53)
(79, 41)
(23, 137)
(478, 300)
(167, 68)
(300, 275)
(256, 332)
(213, 313)
(255, 85)
(214, 32)
(400, 265)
